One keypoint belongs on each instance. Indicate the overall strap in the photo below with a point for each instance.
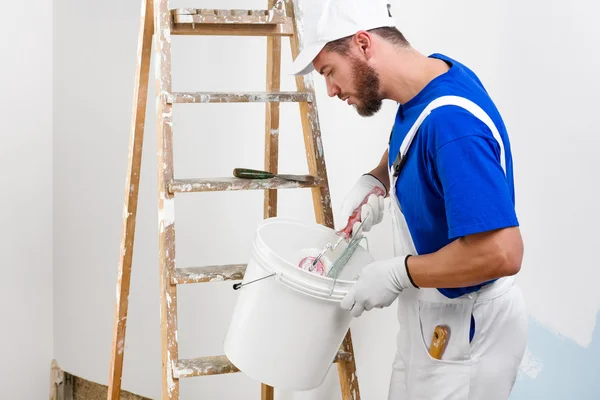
(447, 101)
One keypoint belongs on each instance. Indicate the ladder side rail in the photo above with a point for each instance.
(140, 95)
(166, 200)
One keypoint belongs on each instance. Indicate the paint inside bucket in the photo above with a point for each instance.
(321, 267)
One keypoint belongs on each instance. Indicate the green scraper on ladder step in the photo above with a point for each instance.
(246, 173)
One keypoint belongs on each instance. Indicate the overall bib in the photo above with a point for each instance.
(484, 368)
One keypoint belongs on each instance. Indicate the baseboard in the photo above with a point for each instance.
(66, 386)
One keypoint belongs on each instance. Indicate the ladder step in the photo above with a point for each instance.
(203, 366)
(236, 16)
(192, 21)
(241, 97)
(217, 365)
(215, 273)
(226, 184)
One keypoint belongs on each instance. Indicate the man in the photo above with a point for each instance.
(449, 176)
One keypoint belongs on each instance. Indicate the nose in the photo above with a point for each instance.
(332, 89)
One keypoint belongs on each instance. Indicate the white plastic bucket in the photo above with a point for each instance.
(286, 329)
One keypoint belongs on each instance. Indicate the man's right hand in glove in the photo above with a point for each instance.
(371, 213)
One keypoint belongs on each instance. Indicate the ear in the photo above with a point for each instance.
(364, 43)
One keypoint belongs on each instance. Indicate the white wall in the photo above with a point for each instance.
(26, 316)
(536, 60)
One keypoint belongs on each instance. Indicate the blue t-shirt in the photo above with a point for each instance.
(452, 183)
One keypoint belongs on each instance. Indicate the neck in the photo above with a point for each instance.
(406, 72)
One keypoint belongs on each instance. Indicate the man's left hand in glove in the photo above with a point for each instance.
(378, 285)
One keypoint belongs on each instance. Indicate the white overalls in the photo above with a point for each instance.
(484, 369)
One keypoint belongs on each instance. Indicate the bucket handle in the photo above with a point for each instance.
(237, 286)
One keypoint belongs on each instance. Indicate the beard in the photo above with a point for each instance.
(367, 88)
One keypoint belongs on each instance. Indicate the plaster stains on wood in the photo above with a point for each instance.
(295, 9)
(320, 147)
(184, 11)
(57, 377)
(237, 16)
(204, 366)
(166, 216)
(214, 273)
(343, 356)
(347, 372)
(227, 184)
(242, 97)
(272, 22)
(278, 5)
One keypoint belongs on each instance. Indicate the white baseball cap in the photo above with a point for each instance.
(328, 20)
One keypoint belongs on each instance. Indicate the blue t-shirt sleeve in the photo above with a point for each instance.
(476, 193)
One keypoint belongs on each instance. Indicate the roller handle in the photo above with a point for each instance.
(246, 173)
(355, 217)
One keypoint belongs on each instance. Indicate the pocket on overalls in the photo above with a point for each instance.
(456, 317)
(447, 378)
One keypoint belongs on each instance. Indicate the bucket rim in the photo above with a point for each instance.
(295, 278)
(297, 221)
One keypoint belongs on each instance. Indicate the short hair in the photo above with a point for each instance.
(389, 33)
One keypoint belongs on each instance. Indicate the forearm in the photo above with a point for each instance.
(381, 171)
(469, 260)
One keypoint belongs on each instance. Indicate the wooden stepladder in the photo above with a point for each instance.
(157, 20)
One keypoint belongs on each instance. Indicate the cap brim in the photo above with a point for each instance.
(303, 64)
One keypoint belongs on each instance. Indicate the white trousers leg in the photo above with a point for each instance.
(483, 369)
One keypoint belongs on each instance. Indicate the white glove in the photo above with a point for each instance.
(371, 213)
(377, 286)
